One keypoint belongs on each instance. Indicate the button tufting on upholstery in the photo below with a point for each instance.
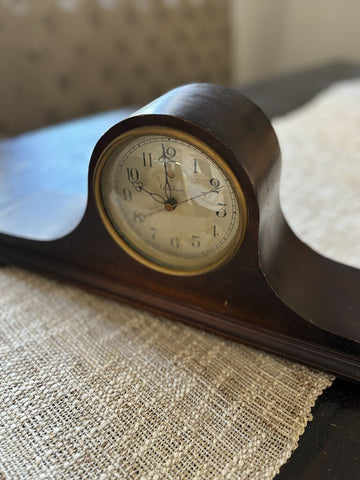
(68, 58)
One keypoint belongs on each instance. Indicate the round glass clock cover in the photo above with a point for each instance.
(170, 201)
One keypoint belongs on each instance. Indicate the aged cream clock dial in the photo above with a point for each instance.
(170, 201)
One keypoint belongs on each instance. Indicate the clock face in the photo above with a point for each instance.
(170, 201)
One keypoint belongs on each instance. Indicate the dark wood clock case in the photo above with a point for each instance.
(276, 293)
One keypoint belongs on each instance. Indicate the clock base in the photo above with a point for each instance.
(272, 327)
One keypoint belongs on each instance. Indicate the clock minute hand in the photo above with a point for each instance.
(202, 194)
(165, 158)
(167, 183)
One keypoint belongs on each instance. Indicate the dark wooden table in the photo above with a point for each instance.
(330, 447)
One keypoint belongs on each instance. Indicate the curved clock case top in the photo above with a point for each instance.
(183, 219)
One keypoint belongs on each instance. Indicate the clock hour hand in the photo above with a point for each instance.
(155, 196)
(139, 187)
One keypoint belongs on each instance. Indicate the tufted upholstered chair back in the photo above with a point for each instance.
(61, 59)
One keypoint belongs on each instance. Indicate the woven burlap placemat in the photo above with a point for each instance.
(90, 388)
(93, 389)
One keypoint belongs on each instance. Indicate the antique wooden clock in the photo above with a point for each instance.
(183, 219)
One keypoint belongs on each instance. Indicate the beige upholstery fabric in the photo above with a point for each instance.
(67, 58)
(92, 389)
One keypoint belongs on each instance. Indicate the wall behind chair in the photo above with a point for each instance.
(275, 36)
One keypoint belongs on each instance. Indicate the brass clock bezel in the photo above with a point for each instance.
(196, 143)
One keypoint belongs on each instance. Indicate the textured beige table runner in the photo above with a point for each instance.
(93, 389)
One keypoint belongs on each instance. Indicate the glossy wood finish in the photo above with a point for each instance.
(330, 447)
(267, 296)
